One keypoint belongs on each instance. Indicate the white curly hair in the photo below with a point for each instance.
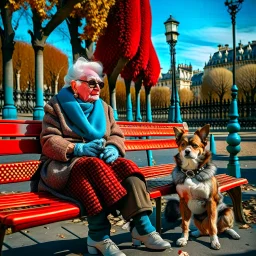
(81, 68)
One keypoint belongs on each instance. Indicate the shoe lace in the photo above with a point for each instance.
(155, 234)
(109, 242)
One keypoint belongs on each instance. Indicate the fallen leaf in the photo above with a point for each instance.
(76, 220)
(112, 230)
(8, 231)
(245, 226)
(61, 236)
(120, 223)
(247, 212)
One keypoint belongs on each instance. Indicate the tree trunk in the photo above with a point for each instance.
(117, 70)
(38, 42)
(221, 107)
(129, 115)
(112, 83)
(138, 84)
(148, 104)
(77, 49)
(112, 97)
(38, 112)
(38, 39)
(7, 35)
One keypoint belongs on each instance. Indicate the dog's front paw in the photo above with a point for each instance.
(215, 244)
(182, 241)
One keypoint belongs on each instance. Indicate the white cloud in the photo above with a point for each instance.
(195, 53)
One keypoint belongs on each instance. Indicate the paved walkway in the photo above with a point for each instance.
(69, 237)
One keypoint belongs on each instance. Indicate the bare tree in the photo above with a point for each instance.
(246, 80)
(217, 82)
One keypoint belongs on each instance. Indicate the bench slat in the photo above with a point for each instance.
(151, 125)
(16, 147)
(137, 145)
(157, 171)
(20, 130)
(40, 216)
(10, 206)
(142, 131)
(230, 185)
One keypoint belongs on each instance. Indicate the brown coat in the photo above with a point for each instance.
(55, 138)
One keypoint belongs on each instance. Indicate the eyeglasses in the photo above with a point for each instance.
(93, 83)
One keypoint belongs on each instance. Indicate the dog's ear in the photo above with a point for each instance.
(178, 133)
(203, 132)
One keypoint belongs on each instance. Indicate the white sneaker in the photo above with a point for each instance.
(152, 240)
(107, 247)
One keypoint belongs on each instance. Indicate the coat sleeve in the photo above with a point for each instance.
(54, 145)
(116, 137)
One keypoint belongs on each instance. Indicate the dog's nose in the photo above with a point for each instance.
(187, 151)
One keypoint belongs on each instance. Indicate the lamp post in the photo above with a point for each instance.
(171, 28)
(233, 126)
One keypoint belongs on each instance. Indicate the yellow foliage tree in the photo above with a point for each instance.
(55, 67)
(96, 13)
(186, 95)
(104, 93)
(24, 65)
(160, 96)
(246, 81)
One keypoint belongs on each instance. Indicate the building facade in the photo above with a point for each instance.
(183, 73)
(223, 58)
(196, 83)
(245, 54)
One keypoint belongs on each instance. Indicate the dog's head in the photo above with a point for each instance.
(192, 150)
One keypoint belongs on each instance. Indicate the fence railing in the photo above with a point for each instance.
(195, 113)
(24, 100)
(198, 113)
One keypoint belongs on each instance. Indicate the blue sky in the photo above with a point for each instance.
(203, 25)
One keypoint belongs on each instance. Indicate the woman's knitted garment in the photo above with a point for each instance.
(97, 185)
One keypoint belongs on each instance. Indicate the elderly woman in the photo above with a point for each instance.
(83, 150)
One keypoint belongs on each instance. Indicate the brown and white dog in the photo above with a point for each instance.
(197, 188)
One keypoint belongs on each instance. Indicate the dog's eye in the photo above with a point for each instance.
(183, 144)
(194, 146)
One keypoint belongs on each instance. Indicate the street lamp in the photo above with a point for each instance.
(171, 28)
(233, 126)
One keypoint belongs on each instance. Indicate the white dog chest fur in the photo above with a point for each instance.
(196, 192)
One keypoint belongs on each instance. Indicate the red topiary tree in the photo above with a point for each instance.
(134, 68)
(120, 42)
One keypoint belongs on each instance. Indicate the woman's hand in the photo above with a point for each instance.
(109, 154)
(92, 148)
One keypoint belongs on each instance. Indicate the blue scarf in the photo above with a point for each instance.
(84, 118)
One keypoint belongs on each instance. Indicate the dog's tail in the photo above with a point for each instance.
(225, 218)
(172, 210)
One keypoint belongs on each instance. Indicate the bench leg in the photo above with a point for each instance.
(2, 234)
(236, 196)
(158, 214)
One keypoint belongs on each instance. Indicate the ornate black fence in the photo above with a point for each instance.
(195, 113)
(199, 113)
(24, 100)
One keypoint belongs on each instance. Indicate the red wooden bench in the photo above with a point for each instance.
(25, 210)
